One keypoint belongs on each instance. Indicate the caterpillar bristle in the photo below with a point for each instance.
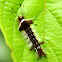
(28, 40)
(30, 44)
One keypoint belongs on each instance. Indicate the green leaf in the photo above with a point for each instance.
(2, 3)
(48, 28)
(7, 19)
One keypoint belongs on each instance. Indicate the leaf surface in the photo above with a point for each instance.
(48, 29)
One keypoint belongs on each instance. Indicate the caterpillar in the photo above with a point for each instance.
(25, 25)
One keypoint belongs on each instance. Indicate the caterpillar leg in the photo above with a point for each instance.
(30, 21)
(32, 48)
(41, 43)
(21, 28)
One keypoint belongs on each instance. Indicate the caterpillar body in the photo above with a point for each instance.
(25, 25)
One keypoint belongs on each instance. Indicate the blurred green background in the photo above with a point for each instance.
(5, 53)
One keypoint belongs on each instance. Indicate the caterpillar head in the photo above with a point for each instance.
(20, 18)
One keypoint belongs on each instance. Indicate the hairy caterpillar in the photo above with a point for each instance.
(25, 25)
